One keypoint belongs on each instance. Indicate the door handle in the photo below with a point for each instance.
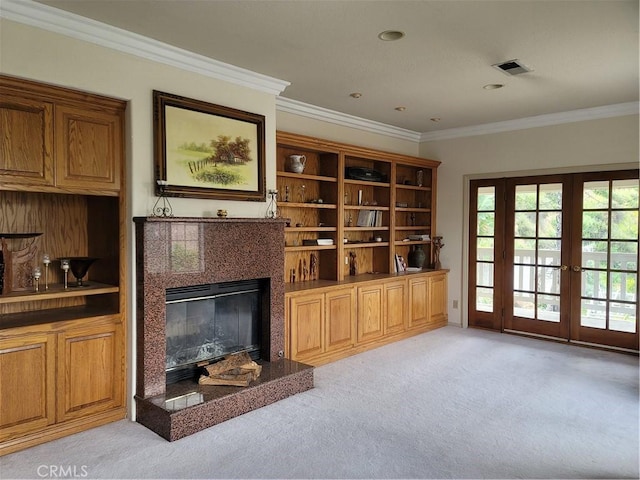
(564, 268)
(576, 268)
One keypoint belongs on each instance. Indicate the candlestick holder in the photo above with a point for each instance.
(163, 209)
(64, 265)
(36, 278)
(46, 260)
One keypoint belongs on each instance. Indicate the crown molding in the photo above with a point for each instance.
(331, 116)
(85, 29)
(608, 111)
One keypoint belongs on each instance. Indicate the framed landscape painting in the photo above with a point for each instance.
(204, 150)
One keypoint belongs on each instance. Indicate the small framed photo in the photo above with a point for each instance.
(210, 151)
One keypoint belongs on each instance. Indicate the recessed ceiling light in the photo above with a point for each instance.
(355, 94)
(401, 109)
(390, 35)
(493, 86)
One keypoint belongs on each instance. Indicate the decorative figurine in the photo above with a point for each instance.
(64, 265)
(313, 269)
(353, 264)
(437, 246)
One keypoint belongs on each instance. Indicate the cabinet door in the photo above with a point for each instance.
(88, 153)
(395, 298)
(340, 319)
(27, 385)
(307, 326)
(418, 302)
(26, 143)
(90, 369)
(370, 312)
(438, 299)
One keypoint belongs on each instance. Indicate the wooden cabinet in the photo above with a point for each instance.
(58, 139)
(320, 323)
(370, 312)
(351, 211)
(307, 326)
(338, 319)
(61, 194)
(26, 144)
(395, 306)
(90, 370)
(87, 148)
(27, 384)
(428, 300)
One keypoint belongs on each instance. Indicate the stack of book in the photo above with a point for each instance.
(317, 241)
(369, 218)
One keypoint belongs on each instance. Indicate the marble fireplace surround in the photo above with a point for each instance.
(230, 249)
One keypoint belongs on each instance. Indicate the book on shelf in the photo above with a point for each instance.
(369, 218)
(421, 238)
(317, 241)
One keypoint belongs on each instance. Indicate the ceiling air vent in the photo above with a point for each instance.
(512, 67)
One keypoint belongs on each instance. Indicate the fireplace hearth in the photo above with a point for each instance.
(176, 255)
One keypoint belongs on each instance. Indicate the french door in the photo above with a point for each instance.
(556, 256)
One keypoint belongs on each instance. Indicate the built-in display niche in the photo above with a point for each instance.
(204, 323)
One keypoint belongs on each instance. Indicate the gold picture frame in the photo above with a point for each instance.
(203, 150)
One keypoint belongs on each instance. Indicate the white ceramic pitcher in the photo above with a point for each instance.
(297, 163)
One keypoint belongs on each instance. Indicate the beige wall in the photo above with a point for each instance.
(591, 145)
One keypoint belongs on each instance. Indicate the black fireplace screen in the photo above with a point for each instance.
(207, 322)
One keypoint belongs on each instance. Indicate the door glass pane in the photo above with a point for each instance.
(595, 225)
(593, 313)
(486, 224)
(624, 225)
(524, 305)
(484, 299)
(549, 252)
(484, 248)
(486, 198)
(550, 224)
(525, 252)
(549, 308)
(622, 317)
(623, 286)
(594, 284)
(624, 255)
(526, 197)
(550, 196)
(594, 254)
(524, 278)
(549, 280)
(624, 193)
(484, 276)
(595, 195)
(525, 224)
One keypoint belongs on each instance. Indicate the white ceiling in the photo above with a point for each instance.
(584, 53)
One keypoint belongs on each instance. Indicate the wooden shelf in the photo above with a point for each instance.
(413, 209)
(309, 229)
(330, 206)
(413, 227)
(365, 229)
(306, 248)
(365, 244)
(413, 187)
(304, 176)
(367, 207)
(58, 291)
(367, 183)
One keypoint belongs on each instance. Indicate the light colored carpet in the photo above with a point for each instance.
(452, 403)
